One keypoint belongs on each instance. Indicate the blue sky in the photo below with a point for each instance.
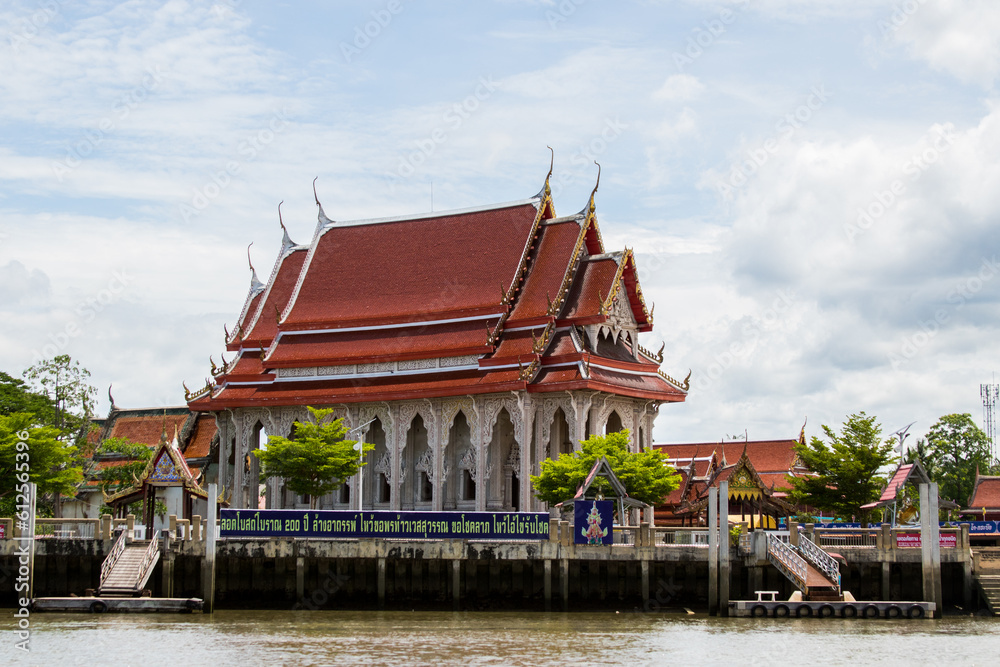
(809, 185)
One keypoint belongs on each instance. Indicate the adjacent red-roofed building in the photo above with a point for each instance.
(467, 345)
(197, 444)
(984, 505)
(757, 472)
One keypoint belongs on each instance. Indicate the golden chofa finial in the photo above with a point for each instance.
(592, 206)
(280, 221)
(552, 164)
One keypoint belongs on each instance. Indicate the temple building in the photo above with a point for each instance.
(197, 442)
(758, 473)
(466, 345)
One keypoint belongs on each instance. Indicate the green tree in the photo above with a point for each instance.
(647, 475)
(317, 460)
(847, 469)
(16, 397)
(64, 382)
(49, 463)
(133, 456)
(955, 448)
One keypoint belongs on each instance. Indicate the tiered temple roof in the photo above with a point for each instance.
(768, 465)
(484, 300)
(197, 436)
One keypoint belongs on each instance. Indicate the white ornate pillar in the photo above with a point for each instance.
(440, 437)
(483, 434)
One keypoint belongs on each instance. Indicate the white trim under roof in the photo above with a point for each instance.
(378, 327)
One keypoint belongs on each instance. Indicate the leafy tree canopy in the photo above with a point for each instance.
(64, 382)
(317, 460)
(135, 456)
(847, 468)
(954, 449)
(15, 396)
(50, 462)
(647, 476)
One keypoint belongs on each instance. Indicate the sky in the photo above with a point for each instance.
(810, 186)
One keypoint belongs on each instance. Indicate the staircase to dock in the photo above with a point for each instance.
(811, 569)
(128, 567)
(989, 584)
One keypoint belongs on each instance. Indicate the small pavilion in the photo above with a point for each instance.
(751, 500)
(168, 479)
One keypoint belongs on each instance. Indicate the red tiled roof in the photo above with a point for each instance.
(413, 269)
(400, 387)
(766, 455)
(892, 488)
(201, 439)
(554, 250)
(591, 286)
(416, 342)
(279, 289)
(146, 429)
(986, 494)
(561, 344)
(421, 270)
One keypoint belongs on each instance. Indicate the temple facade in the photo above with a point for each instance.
(467, 346)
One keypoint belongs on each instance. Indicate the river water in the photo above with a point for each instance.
(248, 638)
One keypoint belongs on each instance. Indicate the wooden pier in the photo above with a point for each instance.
(823, 609)
(98, 605)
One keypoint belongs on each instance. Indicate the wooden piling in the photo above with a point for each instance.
(713, 551)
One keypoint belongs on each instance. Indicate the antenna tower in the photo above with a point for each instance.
(990, 394)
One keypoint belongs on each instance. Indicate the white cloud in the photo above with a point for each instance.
(954, 36)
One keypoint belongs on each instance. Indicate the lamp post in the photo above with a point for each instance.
(360, 447)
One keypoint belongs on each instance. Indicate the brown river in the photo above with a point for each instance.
(249, 638)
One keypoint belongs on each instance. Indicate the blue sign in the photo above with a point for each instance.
(398, 525)
(975, 527)
(593, 522)
(838, 525)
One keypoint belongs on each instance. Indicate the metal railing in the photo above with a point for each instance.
(113, 556)
(820, 559)
(791, 564)
(66, 529)
(850, 538)
(148, 561)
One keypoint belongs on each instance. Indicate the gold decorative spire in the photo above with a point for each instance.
(591, 206)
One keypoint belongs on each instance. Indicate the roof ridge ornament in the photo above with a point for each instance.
(546, 191)
(256, 285)
(321, 219)
(111, 398)
(591, 206)
(286, 240)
